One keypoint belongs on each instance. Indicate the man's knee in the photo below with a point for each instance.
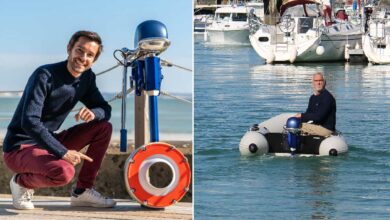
(61, 174)
(106, 127)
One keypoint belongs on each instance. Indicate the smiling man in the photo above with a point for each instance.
(321, 109)
(39, 156)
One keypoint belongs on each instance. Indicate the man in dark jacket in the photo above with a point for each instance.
(321, 109)
(41, 158)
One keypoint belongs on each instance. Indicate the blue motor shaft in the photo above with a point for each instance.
(153, 83)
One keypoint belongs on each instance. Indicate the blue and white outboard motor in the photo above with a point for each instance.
(293, 128)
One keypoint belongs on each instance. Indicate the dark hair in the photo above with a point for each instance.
(93, 36)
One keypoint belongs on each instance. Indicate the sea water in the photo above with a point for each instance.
(175, 116)
(234, 89)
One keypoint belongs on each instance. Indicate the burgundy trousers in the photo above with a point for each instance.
(37, 168)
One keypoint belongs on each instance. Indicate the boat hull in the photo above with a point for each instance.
(310, 43)
(227, 36)
(334, 48)
(376, 53)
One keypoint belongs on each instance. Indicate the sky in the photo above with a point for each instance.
(34, 33)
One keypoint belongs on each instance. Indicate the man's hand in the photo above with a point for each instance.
(298, 115)
(85, 114)
(75, 157)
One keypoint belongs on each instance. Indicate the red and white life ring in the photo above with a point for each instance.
(160, 156)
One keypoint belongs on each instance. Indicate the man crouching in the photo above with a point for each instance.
(41, 158)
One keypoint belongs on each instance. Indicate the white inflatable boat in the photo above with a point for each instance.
(274, 137)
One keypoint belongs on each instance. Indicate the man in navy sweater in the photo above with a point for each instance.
(39, 156)
(321, 109)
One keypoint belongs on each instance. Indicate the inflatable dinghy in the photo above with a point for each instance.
(281, 136)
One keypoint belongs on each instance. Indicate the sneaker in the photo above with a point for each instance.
(91, 197)
(21, 197)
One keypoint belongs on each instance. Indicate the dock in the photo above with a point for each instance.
(58, 208)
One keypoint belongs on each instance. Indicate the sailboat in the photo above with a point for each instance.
(376, 41)
(304, 32)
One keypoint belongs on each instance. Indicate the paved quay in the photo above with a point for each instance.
(58, 208)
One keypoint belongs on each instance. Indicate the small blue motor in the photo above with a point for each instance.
(293, 127)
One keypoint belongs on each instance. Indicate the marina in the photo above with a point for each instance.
(299, 30)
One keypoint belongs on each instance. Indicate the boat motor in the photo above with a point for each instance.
(156, 174)
(293, 128)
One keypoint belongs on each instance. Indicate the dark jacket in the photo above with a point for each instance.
(321, 110)
(49, 96)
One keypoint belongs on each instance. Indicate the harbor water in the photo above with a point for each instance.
(234, 89)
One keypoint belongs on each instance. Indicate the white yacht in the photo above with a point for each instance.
(305, 32)
(230, 26)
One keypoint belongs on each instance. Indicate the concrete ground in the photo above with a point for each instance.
(58, 208)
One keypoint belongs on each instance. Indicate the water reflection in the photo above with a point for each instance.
(315, 180)
(321, 181)
(378, 78)
(288, 79)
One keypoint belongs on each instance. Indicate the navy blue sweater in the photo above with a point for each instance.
(321, 110)
(50, 94)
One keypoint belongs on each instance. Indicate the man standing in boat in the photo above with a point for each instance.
(321, 109)
(41, 158)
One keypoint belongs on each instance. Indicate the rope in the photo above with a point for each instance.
(97, 74)
(169, 64)
(128, 91)
(117, 96)
(163, 62)
(14, 91)
(175, 97)
(108, 70)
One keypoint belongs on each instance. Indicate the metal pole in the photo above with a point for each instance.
(123, 142)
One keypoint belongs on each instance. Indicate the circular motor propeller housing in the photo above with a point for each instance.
(157, 175)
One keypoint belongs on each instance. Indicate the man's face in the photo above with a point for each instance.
(81, 56)
(318, 83)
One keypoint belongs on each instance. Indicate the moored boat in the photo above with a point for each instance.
(230, 26)
(376, 41)
(304, 33)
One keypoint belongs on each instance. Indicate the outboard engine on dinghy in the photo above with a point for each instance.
(293, 128)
